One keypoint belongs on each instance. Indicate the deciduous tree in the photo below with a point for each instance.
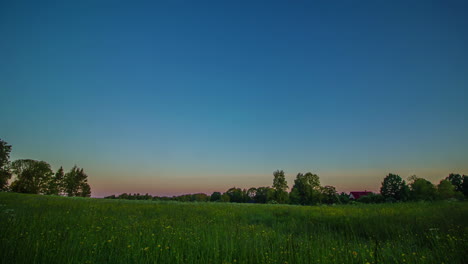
(76, 183)
(456, 180)
(280, 185)
(393, 186)
(306, 189)
(5, 173)
(445, 189)
(32, 176)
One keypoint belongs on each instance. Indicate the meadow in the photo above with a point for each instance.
(50, 229)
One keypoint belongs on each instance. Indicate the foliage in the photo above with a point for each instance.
(393, 186)
(422, 189)
(76, 183)
(56, 184)
(372, 198)
(329, 194)
(465, 185)
(5, 173)
(306, 189)
(236, 195)
(445, 189)
(343, 198)
(32, 176)
(264, 194)
(456, 180)
(280, 185)
(215, 197)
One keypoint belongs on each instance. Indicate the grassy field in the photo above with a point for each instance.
(44, 229)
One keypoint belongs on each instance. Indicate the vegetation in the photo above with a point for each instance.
(37, 177)
(48, 229)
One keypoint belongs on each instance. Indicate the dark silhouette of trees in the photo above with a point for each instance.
(394, 187)
(236, 195)
(5, 173)
(280, 185)
(306, 189)
(76, 183)
(32, 176)
(215, 197)
(329, 194)
(56, 185)
(456, 180)
(465, 185)
(264, 195)
(422, 189)
(37, 177)
(445, 189)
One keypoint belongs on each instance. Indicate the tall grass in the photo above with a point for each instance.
(44, 229)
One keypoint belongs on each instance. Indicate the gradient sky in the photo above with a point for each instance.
(172, 97)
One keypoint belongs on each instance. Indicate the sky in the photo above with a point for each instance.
(171, 97)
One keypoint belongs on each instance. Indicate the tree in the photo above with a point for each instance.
(280, 185)
(465, 185)
(329, 194)
(56, 184)
(215, 196)
(225, 198)
(422, 189)
(264, 194)
(306, 189)
(235, 195)
(344, 198)
(32, 176)
(445, 189)
(372, 198)
(76, 183)
(5, 173)
(394, 187)
(456, 180)
(251, 193)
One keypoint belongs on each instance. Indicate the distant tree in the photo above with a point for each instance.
(200, 197)
(235, 195)
(394, 187)
(329, 194)
(5, 173)
(343, 198)
(456, 180)
(445, 189)
(422, 189)
(215, 197)
(225, 198)
(280, 185)
(251, 193)
(465, 185)
(76, 183)
(306, 189)
(56, 185)
(32, 176)
(372, 198)
(264, 195)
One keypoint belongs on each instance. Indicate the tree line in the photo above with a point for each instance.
(307, 190)
(37, 177)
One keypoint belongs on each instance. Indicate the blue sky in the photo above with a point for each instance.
(172, 97)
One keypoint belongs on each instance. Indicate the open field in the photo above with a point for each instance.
(44, 229)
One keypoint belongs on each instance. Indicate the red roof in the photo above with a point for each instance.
(357, 195)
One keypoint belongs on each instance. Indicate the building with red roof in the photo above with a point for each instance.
(357, 195)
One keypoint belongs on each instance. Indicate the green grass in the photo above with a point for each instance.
(44, 229)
